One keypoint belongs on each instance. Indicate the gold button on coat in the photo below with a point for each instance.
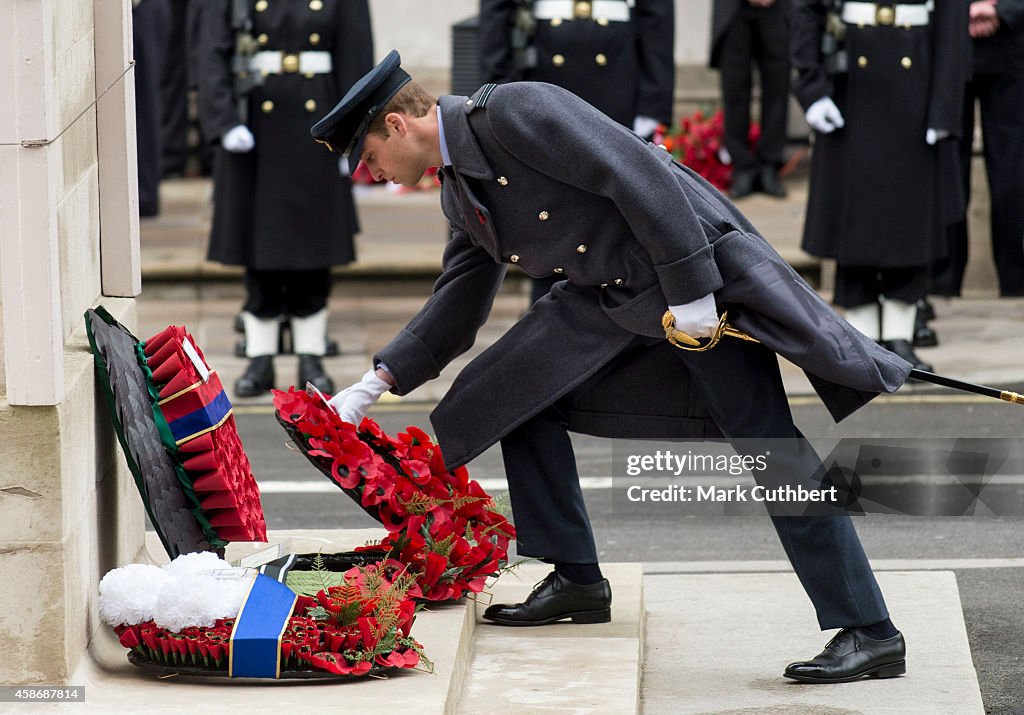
(514, 258)
(261, 5)
(262, 39)
(602, 21)
(290, 63)
(469, 102)
(543, 215)
(556, 21)
(582, 248)
(862, 61)
(314, 39)
(604, 285)
(906, 62)
(316, 5)
(618, 281)
(559, 270)
(558, 60)
(503, 181)
(267, 106)
(600, 59)
(310, 105)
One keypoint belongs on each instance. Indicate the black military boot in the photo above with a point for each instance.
(771, 184)
(258, 377)
(312, 370)
(904, 349)
(742, 183)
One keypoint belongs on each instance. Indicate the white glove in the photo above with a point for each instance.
(824, 116)
(934, 136)
(343, 166)
(644, 126)
(354, 402)
(697, 319)
(238, 140)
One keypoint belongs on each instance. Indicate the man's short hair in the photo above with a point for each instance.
(411, 100)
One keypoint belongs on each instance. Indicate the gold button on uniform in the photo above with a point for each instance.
(316, 5)
(559, 270)
(618, 281)
(310, 105)
(514, 258)
(862, 61)
(314, 39)
(503, 181)
(556, 21)
(262, 39)
(604, 285)
(600, 59)
(267, 106)
(906, 62)
(469, 102)
(261, 5)
(558, 60)
(543, 215)
(602, 21)
(582, 248)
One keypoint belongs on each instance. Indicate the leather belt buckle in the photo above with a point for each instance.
(885, 15)
(290, 63)
(581, 10)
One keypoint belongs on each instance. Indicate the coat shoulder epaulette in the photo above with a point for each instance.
(480, 99)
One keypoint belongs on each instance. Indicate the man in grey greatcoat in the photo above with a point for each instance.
(533, 175)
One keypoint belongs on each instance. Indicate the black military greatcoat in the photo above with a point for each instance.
(880, 195)
(541, 179)
(283, 205)
(624, 68)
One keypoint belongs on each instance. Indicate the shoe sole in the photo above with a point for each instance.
(603, 615)
(888, 670)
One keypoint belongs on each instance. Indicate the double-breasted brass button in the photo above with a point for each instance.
(582, 248)
(556, 21)
(310, 105)
(600, 59)
(602, 21)
(290, 63)
(862, 61)
(267, 106)
(618, 281)
(469, 102)
(543, 215)
(261, 6)
(604, 285)
(559, 270)
(262, 39)
(314, 39)
(907, 63)
(514, 258)
(503, 181)
(558, 60)
(316, 5)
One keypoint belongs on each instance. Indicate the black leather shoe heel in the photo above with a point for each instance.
(604, 616)
(893, 670)
(555, 599)
(850, 656)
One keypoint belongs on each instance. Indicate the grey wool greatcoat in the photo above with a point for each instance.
(541, 179)
(283, 205)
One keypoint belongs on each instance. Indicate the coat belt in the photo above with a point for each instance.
(869, 13)
(611, 10)
(274, 62)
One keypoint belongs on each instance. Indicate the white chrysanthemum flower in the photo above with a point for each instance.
(198, 561)
(198, 600)
(128, 594)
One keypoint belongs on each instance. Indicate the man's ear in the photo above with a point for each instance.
(396, 124)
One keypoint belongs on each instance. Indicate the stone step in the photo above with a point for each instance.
(563, 667)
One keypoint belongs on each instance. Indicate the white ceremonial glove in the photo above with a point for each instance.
(354, 402)
(824, 116)
(644, 126)
(697, 319)
(238, 140)
(934, 136)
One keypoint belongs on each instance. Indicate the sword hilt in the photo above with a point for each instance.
(685, 341)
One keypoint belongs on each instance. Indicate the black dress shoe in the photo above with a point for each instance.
(906, 351)
(257, 378)
(851, 655)
(924, 335)
(554, 599)
(742, 183)
(771, 184)
(312, 370)
(925, 310)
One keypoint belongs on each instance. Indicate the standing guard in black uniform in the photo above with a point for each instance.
(882, 85)
(615, 54)
(150, 22)
(744, 31)
(997, 82)
(282, 207)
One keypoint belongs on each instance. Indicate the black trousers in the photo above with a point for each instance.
(150, 20)
(551, 518)
(270, 294)
(1001, 97)
(756, 35)
(860, 285)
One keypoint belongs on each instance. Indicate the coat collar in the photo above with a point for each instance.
(467, 158)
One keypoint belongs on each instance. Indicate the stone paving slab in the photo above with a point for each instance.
(717, 643)
(565, 667)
